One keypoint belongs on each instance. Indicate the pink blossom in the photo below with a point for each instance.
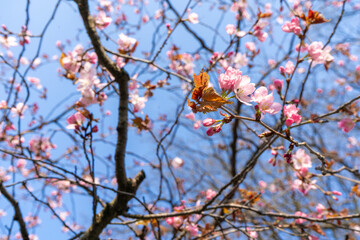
(197, 124)
(337, 193)
(266, 101)
(300, 220)
(258, 33)
(210, 194)
(230, 29)
(2, 213)
(176, 222)
(215, 129)
(301, 159)
(304, 187)
(243, 88)
(177, 162)
(291, 114)
(75, 120)
(137, 101)
(311, 237)
(102, 21)
(252, 234)
(228, 80)
(19, 110)
(8, 41)
(302, 47)
(3, 104)
(293, 26)
(346, 124)
(278, 84)
(208, 122)
(240, 60)
(21, 163)
(35, 81)
(315, 50)
(272, 63)
(40, 145)
(288, 69)
(250, 46)
(126, 43)
(193, 17)
(32, 221)
(320, 208)
(25, 34)
(145, 18)
(190, 116)
(3, 175)
(158, 14)
(192, 228)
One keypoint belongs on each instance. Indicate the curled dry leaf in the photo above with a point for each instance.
(313, 17)
(206, 98)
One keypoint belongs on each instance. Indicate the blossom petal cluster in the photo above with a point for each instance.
(265, 101)
(293, 26)
(291, 114)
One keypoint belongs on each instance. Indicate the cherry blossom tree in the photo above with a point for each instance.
(193, 119)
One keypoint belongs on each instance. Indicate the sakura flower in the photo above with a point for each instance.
(278, 84)
(291, 114)
(75, 120)
(243, 88)
(126, 43)
(190, 116)
(346, 124)
(300, 220)
(210, 194)
(41, 145)
(3, 175)
(102, 21)
(253, 234)
(320, 208)
(193, 17)
(240, 60)
(301, 159)
(192, 228)
(21, 163)
(293, 26)
(8, 41)
(19, 110)
(197, 124)
(158, 14)
(304, 187)
(227, 81)
(288, 69)
(35, 81)
(2, 213)
(137, 101)
(250, 46)
(265, 101)
(25, 34)
(319, 54)
(3, 104)
(258, 31)
(176, 222)
(177, 162)
(230, 29)
(315, 50)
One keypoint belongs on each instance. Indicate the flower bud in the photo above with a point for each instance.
(208, 122)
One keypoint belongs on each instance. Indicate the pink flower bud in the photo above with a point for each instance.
(337, 193)
(208, 122)
(95, 129)
(278, 84)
